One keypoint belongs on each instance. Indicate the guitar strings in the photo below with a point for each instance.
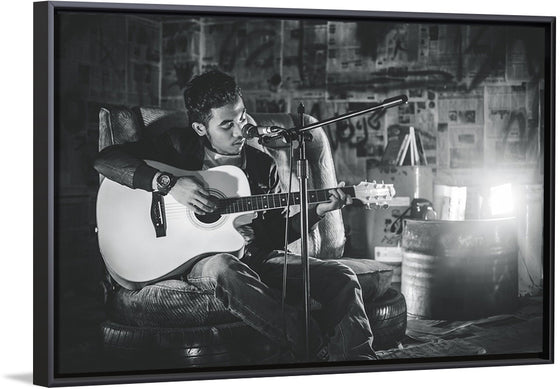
(226, 205)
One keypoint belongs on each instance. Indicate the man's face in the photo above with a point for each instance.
(224, 127)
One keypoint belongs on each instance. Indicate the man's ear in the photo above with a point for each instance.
(199, 128)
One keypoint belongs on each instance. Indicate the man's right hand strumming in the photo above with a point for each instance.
(191, 192)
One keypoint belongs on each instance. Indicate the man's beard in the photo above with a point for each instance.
(208, 143)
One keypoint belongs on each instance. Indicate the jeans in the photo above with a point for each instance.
(252, 292)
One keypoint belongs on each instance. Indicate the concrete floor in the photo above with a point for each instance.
(515, 333)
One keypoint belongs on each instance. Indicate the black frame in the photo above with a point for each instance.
(44, 173)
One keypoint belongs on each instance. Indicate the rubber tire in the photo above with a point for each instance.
(387, 318)
(128, 347)
(139, 348)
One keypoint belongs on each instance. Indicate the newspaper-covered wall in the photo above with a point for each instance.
(455, 76)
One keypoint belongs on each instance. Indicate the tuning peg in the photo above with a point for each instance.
(385, 206)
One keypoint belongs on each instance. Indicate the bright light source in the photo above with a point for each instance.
(501, 200)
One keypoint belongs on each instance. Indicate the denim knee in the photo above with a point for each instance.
(340, 297)
(221, 263)
(220, 269)
(350, 282)
(212, 267)
(342, 277)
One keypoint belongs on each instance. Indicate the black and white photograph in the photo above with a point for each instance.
(227, 192)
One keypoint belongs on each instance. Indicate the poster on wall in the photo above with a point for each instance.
(143, 67)
(181, 59)
(461, 120)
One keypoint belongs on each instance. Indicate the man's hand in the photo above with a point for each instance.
(191, 192)
(337, 200)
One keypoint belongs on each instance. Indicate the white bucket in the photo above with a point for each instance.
(391, 256)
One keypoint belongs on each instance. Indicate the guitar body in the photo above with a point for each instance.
(133, 253)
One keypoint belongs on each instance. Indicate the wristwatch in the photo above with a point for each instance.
(165, 182)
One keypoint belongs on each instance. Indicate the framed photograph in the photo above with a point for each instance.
(180, 152)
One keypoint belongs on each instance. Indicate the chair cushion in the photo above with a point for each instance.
(170, 304)
(374, 277)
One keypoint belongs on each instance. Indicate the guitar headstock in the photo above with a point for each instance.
(378, 194)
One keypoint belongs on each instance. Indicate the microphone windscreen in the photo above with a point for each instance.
(248, 130)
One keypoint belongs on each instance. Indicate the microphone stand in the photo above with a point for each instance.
(302, 173)
(300, 133)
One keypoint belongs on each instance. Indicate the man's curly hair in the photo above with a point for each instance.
(212, 89)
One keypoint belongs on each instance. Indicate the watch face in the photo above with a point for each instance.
(164, 180)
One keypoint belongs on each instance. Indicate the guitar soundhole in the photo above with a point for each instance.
(208, 219)
(213, 217)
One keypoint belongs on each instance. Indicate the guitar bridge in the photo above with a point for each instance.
(157, 214)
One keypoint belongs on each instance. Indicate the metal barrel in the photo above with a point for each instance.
(459, 270)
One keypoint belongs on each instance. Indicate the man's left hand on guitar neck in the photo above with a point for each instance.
(338, 200)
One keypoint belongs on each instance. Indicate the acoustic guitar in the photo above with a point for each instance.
(144, 236)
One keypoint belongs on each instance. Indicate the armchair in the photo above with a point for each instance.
(197, 330)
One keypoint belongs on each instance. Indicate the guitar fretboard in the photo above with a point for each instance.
(274, 201)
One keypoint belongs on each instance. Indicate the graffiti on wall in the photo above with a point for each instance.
(363, 133)
(512, 135)
(248, 50)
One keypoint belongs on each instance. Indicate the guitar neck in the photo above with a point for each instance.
(275, 201)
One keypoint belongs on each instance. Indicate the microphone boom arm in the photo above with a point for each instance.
(292, 132)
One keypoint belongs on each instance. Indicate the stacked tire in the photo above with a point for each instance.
(229, 344)
(387, 317)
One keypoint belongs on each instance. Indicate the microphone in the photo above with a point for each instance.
(250, 131)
